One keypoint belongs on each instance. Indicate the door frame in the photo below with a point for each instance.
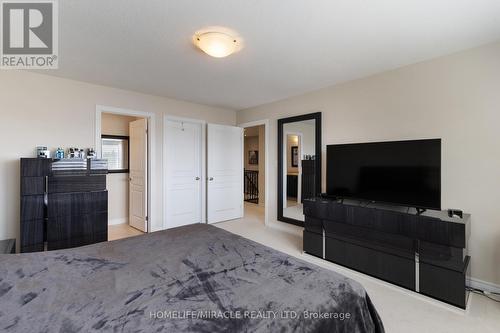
(203, 159)
(285, 174)
(264, 122)
(152, 177)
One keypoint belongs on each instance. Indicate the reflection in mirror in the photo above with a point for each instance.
(299, 155)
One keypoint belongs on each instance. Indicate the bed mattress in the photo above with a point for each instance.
(196, 278)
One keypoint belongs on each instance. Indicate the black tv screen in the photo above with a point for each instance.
(405, 173)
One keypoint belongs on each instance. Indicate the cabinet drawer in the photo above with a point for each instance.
(390, 243)
(436, 231)
(32, 235)
(32, 207)
(65, 184)
(442, 255)
(77, 230)
(383, 220)
(313, 224)
(71, 204)
(388, 267)
(316, 208)
(313, 243)
(445, 284)
(32, 185)
(35, 167)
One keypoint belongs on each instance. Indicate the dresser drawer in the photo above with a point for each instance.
(32, 185)
(313, 224)
(32, 207)
(32, 232)
(35, 167)
(388, 267)
(445, 284)
(65, 184)
(313, 243)
(442, 256)
(69, 204)
(67, 231)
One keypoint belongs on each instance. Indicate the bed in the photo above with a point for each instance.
(196, 278)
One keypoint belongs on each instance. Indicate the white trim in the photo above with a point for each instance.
(264, 122)
(121, 220)
(203, 124)
(100, 109)
(483, 285)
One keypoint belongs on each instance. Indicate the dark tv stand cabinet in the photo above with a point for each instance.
(426, 253)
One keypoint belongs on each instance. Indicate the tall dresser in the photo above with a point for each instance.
(64, 203)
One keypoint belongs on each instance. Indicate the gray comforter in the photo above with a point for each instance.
(196, 278)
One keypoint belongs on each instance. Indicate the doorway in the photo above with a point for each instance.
(123, 138)
(255, 157)
(292, 149)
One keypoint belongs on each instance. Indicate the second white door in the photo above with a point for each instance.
(183, 173)
(225, 173)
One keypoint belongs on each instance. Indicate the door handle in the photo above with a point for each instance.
(197, 178)
(211, 178)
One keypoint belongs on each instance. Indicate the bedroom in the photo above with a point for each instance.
(361, 73)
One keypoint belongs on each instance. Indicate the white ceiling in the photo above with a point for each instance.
(291, 46)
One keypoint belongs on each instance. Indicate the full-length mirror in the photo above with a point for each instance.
(299, 164)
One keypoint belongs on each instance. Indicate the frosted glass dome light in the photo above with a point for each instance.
(216, 44)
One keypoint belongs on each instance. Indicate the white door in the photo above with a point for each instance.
(225, 173)
(138, 168)
(183, 173)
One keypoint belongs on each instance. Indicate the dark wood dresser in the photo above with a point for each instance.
(62, 205)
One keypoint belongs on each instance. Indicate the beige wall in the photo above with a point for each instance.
(37, 109)
(115, 124)
(251, 143)
(117, 183)
(456, 98)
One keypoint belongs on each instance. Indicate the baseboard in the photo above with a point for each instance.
(122, 220)
(483, 285)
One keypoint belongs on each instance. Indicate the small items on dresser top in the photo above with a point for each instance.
(42, 152)
(7, 246)
(72, 153)
(69, 164)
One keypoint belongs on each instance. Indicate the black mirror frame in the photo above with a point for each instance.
(317, 118)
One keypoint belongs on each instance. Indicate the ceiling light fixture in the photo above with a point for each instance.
(217, 44)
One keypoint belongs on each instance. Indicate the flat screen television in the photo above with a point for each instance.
(406, 173)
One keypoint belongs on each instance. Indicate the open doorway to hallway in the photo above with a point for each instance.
(254, 172)
(124, 145)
